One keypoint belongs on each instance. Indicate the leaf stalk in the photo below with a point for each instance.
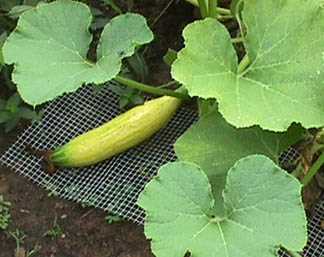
(313, 170)
(245, 62)
(220, 10)
(212, 8)
(224, 17)
(149, 89)
(203, 8)
(237, 40)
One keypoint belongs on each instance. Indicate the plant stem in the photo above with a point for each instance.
(291, 253)
(169, 84)
(224, 11)
(162, 13)
(212, 8)
(237, 40)
(224, 17)
(193, 2)
(203, 8)
(320, 136)
(313, 170)
(238, 18)
(115, 7)
(243, 64)
(220, 10)
(149, 89)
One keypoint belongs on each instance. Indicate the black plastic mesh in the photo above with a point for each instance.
(114, 184)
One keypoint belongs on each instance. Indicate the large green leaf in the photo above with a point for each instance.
(263, 211)
(284, 82)
(50, 44)
(215, 145)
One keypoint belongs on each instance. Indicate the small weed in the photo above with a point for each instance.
(19, 237)
(52, 191)
(113, 218)
(55, 232)
(90, 202)
(52, 194)
(33, 251)
(5, 216)
(86, 204)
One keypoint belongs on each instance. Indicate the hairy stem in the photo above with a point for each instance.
(243, 64)
(223, 11)
(203, 8)
(238, 18)
(224, 17)
(313, 170)
(212, 8)
(169, 84)
(220, 10)
(149, 89)
(237, 40)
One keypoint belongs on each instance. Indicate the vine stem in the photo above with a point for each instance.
(212, 8)
(203, 8)
(313, 170)
(237, 40)
(149, 89)
(243, 64)
(220, 10)
(224, 17)
(291, 253)
(168, 84)
(223, 11)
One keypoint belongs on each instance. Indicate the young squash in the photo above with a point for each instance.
(116, 136)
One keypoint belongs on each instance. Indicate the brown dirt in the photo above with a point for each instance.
(85, 232)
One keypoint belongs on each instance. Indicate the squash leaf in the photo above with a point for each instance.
(263, 211)
(215, 145)
(50, 44)
(285, 79)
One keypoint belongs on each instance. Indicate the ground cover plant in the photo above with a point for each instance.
(258, 91)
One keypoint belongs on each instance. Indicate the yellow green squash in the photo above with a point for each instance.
(117, 135)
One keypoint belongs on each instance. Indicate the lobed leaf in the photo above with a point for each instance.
(215, 146)
(262, 203)
(50, 44)
(284, 82)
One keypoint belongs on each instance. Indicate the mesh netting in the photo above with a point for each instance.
(114, 184)
(315, 244)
